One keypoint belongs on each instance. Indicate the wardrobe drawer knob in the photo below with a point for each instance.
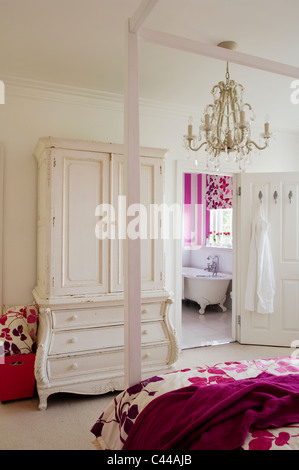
(145, 332)
(73, 340)
(75, 366)
(146, 356)
(74, 317)
(144, 311)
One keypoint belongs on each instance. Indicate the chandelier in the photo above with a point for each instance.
(224, 124)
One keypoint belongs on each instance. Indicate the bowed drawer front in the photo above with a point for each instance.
(103, 362)
(87, 317)
(64, 342)
(81, 317)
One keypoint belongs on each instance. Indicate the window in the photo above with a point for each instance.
(220, 227)
(208, 212)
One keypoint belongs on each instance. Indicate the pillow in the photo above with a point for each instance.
(18, 328)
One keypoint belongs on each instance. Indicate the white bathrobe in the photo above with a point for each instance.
(260, 289)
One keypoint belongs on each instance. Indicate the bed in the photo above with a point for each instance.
(248, 405)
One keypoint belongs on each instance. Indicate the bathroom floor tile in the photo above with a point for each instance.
(214, 327)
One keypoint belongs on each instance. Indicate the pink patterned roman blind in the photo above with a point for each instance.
(219, 192)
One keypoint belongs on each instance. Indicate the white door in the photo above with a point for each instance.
(279, 195)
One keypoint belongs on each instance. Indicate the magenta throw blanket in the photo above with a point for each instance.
(216, 417)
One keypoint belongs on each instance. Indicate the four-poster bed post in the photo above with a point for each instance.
(132, 254)
(132, 268)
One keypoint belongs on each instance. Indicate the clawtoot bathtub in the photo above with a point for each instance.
(203, 287)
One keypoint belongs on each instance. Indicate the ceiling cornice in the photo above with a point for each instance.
(40, 90)
(35, 89)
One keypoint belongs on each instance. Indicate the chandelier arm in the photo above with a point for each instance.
(195, 149)
(257, 146)
(220, 147)
(244, 142)
(221, 111)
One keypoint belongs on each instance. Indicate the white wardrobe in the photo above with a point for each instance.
(80, 271)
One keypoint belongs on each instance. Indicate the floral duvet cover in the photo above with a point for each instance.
(115, 423)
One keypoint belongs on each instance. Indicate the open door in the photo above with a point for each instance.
(279, 195)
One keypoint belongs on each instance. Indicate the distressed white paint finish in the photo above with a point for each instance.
(215, 52)
(81, 184)
(81, 314)
(151, 198)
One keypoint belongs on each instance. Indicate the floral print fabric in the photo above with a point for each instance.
(114, 424)
(219, 192)
(18, 327)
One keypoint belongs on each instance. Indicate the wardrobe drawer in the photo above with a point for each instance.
(152, 356)
(87, 317)
(85, 340)
(152, 311)
(153, 332)
(102, 362)
(101, 338)
(85, 364)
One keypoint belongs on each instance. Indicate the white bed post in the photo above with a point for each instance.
(132, 253)
(132, 267)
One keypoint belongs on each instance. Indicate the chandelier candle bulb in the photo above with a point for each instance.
(242, 117)
(207, 120)
(190, 127)
(267, 125)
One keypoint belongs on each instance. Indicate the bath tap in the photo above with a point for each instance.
(213, 266)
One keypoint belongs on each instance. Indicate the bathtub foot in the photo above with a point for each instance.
(221, 304)
(203, 303)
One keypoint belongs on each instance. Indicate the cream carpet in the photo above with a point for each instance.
(66, 423)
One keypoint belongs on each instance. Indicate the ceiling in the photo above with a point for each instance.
(81, 43)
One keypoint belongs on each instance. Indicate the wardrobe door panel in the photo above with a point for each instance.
(144, 223)
(81, 258)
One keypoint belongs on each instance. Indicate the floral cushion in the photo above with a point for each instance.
(18, 328)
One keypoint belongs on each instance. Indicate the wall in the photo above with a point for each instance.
(197, 258)
(32, 111)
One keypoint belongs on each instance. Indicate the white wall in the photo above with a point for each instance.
(197, 258)
(29, 114)
(24, 118)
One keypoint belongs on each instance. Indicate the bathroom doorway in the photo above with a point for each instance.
(207, 259)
